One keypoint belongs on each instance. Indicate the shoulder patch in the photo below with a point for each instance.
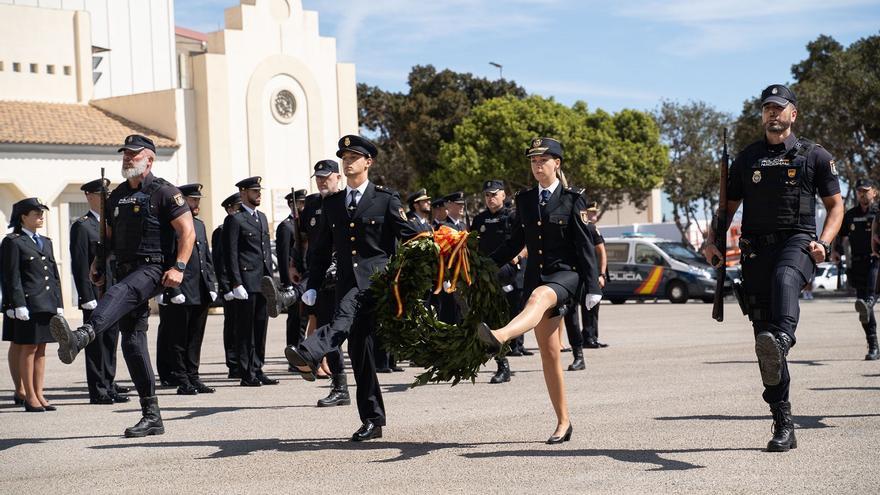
(178, 199)
(833, 167)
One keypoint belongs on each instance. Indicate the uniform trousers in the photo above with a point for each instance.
(354, 320)
(324, 309)
(126, 305)
(863, 277)
(229, 336)
(295, 332)
(100, 358)
(185, 333)
(251, 322)
(772, 281)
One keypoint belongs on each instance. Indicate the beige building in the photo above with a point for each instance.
(265, 96)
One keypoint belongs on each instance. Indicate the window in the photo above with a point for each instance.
(647, 255)
(34, 68)
(50, 69)
(67, 70)
(618, 252)
(16, 67)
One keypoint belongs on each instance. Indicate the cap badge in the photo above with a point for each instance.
(756, 177)
(346, 142)
(774, 90)
(259, 179)
(536, 143)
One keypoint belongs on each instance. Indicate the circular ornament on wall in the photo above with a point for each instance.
(283, 105)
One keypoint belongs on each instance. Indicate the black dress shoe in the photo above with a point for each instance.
(298, 360)
(17, 401)
(516, 353)
(187, 390)
(247, 382)
(120, 398)
(564, 438)
(120, 389)
(168, 383)
(202, 388)
(235, 375)
(265, 380)
(383, 370)
(526, 352)
(565, 349)
(397, 369)
(29, 408)
(367, 431)
(594, 344)
(50, 407)
(101, 399)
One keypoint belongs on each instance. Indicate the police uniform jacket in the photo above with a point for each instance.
(84, 236)
(556, 237)
(857, 226)
(198, 277)
(363, 242)
(310, 217)
(223, 286)
(285, 249)
(456, 226)
(493, 230)
(247, 250)
(417, 223)
(30, 275)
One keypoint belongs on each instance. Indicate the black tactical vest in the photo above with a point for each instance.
(136, 229)
(779, 192)
(860, 231)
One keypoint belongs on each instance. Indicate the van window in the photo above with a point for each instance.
(618, 252)
(647, 255)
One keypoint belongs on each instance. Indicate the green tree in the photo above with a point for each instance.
(692, 132)
(409, 128)
(617, 157)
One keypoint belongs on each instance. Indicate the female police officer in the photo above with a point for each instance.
(777, 179)
(551, 224)
(30, 281)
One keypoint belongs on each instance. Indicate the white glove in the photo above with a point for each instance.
(309, 297)
(228, 296)
(178, 299)
(592, 300)
(239, 293)
(160, 300)
(90, 305)
(22, 313)
(10, 313)
(446, 285)
(59, 311)
(507, 288)
(213, 296)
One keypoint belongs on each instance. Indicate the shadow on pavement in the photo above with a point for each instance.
(8, 443)
(234, 448)
(808, 362)
(639, 456)
(203, 412)
(802, 422)
(827, 389)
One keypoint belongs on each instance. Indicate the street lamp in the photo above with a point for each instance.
(500, 69)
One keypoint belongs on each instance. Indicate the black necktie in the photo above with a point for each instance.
(545, 196)
(352, 204)
(38, 241)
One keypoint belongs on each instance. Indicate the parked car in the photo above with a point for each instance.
(826, 277)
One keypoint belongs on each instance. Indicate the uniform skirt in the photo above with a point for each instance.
(33, 331)
(8, 324)
(565, 284)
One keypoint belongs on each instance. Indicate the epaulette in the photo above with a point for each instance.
(575, 190)
(82, 218)
(12, 235)
(385, 190)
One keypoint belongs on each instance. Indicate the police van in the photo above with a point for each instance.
(642, 266)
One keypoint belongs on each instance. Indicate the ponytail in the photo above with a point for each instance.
(561, 176)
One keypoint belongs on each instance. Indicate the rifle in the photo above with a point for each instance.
(102, 253)
(720, 229)
(297, 241)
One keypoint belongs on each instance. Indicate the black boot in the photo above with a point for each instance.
(873, 353)
(338, 394)
(771, 351)
(70, 342)
(150, 423)
(864, 307)
(783, 428)
(278, 300)
(578, 363)
(503, 373)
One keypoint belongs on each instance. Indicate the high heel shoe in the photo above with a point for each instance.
(18, 401)
(564, 438)
(50, 407)
(29, 408)
(484, 333)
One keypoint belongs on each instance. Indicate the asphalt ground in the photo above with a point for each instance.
(672, 406)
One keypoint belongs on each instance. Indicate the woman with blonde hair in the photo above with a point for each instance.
(551, 223)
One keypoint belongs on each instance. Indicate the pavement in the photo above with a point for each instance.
(672, 406)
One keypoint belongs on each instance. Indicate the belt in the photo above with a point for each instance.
(140, 260)
(763, 240)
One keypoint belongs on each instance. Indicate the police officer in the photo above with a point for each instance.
(100, 355)
(777, 179)
(231, 204)
(863, 265)
(419, 210)
(185, 311)
(290, 266)
(590, 318)
(144, 213)
(438, 213)
(31, 284)
(248, 259)
(362, 223)
(494, 225)
(455, 211)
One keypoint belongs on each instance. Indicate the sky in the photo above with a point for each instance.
(612, 55)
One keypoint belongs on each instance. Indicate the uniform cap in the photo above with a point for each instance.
(357, 144)
(865, 184)
(456, 197)
(136, 142)
(778, 94)
(420, 195)
(250, 183)
(325, 168)
(191, 190)
(94, 186)
(545, 146)
(493, 186)
(231, 200)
